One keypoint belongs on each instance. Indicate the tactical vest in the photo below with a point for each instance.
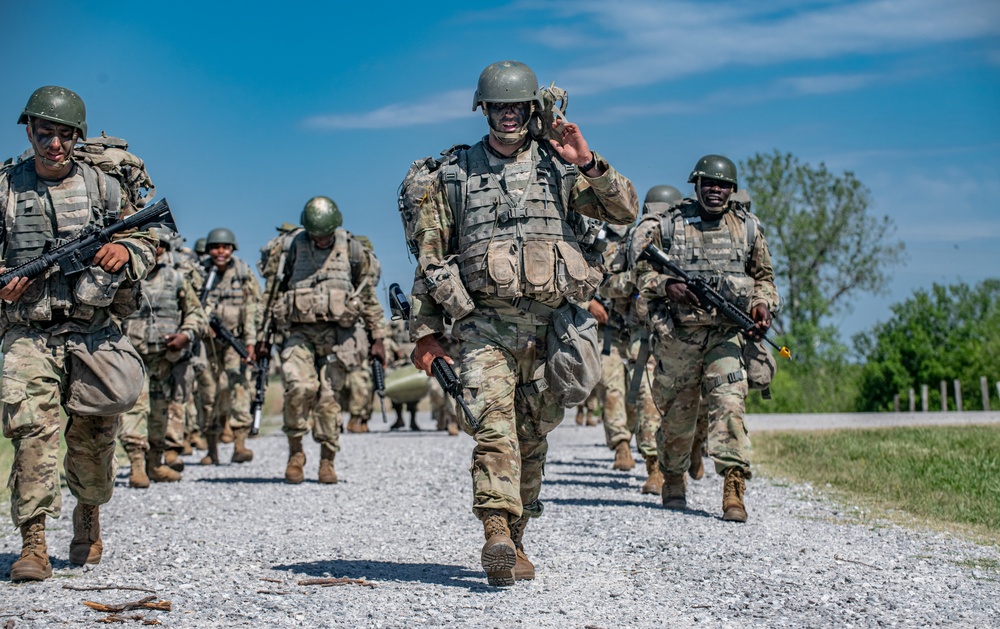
(526, 247)
(323, 284)
(717, 251)
(32, 220)
(159, 312)
(228, 294)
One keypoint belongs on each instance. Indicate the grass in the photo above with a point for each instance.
(947, 477)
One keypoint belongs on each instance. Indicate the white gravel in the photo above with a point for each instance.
(228, 545)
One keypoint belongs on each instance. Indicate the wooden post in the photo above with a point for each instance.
(984, 386)
(924, 397)
(895, 403)
(958, 395)
(944, 396)
(913, 400)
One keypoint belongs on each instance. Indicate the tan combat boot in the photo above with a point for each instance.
(172, 459)
(733, 509)
(137, 477)
(197, 440)
(86, 546)
(241, 453)
(654, 478)
(354, 424)
(593, 420)
(579, 416)
(524, 570)
(296, 461)
(623, 457)
(327, 475)
(673, 492)
(212, 455)
(34, 562)
(453, 429)
(499, 555)
(157, 471)
(697, 468)
(186, 448)
(227, 433)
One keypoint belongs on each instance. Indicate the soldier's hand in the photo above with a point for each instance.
(13, 291)
(573, 147)
(251, 355)
(600, 313)
(428, 348)
(679, 292)
(263, 348)
(378, 351)
(762, 317)
(176, 342)
(111, 257)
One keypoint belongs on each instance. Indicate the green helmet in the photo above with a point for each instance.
(507, 82)
(714, 167)
(199, 246)
(56, 104)
(321, 217)
(221, 236)
(663, 194)
(165, 235)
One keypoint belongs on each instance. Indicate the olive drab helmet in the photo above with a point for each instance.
(56, 104)
(220, 236)
(659, 198)
(199, 246)
(715, 167)
(321, 217)
(507, 82)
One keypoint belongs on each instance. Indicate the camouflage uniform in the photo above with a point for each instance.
(398, 347)
(188, 370)
(356, 394)
(54, 323)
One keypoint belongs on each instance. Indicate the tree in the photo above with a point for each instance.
(826, 245)
(946, 333)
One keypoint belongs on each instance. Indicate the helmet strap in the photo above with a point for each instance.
(715, 211)
(512, 137)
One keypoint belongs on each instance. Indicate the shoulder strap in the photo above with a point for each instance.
(454, 175)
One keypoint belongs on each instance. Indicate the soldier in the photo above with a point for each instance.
(699, 352)
(61, 346)
(169, 318)
(233, 295)
(356, 396)
(398, 350)
(327, 285)
(499, 262)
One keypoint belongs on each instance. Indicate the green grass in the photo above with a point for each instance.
(947, 477)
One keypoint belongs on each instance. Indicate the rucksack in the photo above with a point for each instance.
(111, 155)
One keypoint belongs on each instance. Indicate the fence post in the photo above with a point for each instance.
(944, 396)
(984, 386)
(924, 397)
(913, 400)
(895, 403)
(958, 395)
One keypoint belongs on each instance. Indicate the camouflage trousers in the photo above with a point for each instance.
(356, 395)
(157, 419)
(500, 362)
(701, 366)
(315, 362)
(201, 404)
(35, 381)
(233, 389)
(443, 407)
(622, 420)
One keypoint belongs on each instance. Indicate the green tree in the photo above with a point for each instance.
(946, 333)
(826, 244)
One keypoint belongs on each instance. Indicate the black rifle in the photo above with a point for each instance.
(75, 256)
(400, 307)
(378, 379)
(708, 295)
(260, 384)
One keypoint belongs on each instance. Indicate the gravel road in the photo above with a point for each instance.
(229, 545)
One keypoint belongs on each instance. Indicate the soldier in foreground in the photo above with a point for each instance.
(700, 352)
(61, 346)
(501, 263)
(325, 285)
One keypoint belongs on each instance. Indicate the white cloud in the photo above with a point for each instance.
(433, 109)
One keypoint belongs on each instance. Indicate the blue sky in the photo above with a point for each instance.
(243, 111)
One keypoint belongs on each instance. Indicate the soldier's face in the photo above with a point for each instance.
(715, 193)
(322, 242)
(52, 142)
(508, 117)
(220, 254)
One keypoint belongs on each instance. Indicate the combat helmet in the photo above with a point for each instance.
(507, 82)
(715, 167)
(321, 217)
(165, 235)
(56, 104)
(221, 236)
(199, 246)
(660, 198)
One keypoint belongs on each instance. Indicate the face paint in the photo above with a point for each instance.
(509, 121)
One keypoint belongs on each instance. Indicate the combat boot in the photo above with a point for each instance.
(654, 477)
(86, 546)
(186, 447)
(413, 421)
(399, 422)
(354, 424)
(623, 457)
(212, 451)
(227, 433)
(524, 570)
(241, 453)
(579, 417)
(172, 459)
(673, 492)
(499, 555)
(34, 562)
(592, 420)
(327, 475)
(697, 468)
(296, 461)
(137, 477)
(157, 471)
(453, 429)
(197, 440)
(733, 509)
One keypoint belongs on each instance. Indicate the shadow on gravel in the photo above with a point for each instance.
(601, 463)
(609, 473)
(431, 573)
(6, 561)
(591, 502)
(610, 484)
(277, 480)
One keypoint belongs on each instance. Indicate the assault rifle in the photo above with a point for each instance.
(708, 295)
(75, 256)
(264, 346)
(378, 380)
(400, 307)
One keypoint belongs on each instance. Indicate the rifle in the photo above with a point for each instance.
(400, 307)
(75, 256)
(378, 379)
(708, 295)
(266, 339)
